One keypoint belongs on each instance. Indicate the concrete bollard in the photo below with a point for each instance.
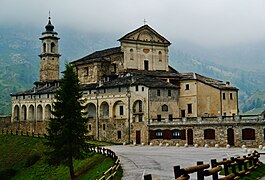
(134, 143)
(206, 145)
(196, 145)
(151, 144)
(167, 144)
(216, 145)
(228, 146)
(142, 144)
(124, 143)
(244, 146)
(160, 144)
(186, 145)
(260, 147)
(177, 145)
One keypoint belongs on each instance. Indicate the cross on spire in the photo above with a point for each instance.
(49, 14)
(145, 21)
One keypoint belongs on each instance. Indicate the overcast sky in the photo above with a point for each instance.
(205, 22)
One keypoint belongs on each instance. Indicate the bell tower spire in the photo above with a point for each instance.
(49, 57)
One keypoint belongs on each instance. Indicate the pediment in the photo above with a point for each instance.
(145, 34)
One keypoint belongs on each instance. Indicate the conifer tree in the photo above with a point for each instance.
(67, 127)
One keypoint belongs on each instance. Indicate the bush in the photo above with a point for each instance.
(7, 174)
(31, 160)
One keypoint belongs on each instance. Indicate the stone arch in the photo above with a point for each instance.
(209, 134)
(16, 113)
(91, 111)
(104, 110)
(52, 47)
(48, 110)
(39, 113)
(24, 112)
(118, 109)
(31, 114)
(44, 47)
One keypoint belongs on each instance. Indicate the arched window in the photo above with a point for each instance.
(104, 110)
(160, 56)
(131, 54)
(159, 134)
(209, 134)
(91, 111)
(52, 47)
(44, 47)
(39, 113)
(119, 110)
(31, 113)
(48, 112)
(24, 112)
(248, 134)
(164, 108)
(16, 113)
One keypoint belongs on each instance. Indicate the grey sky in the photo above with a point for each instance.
(205, 22)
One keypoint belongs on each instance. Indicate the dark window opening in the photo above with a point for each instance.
(209, 134)
(140, 106)
(158, 92)
(169, 92)
(164, 108)
(119, 89)
(248, 134)
(170, 117)
(231, 96)
(104, 127)
(146, 65)
(176, 134)
(136, 88)
(142, 88)
(223, 96)
(89, 127)
(140, 118)
(189, 108)
(52, 47)
(187, 87)
(158, 134)
(119, 134)
(159, 118)
(121, 110)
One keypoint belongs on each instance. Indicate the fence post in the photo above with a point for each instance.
(245, 164)
(214, 164)
(225, 167)
(233, 167)
(177, 171)
(200, 175)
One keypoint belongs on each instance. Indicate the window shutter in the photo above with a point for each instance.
(152, 134)
(183, 134)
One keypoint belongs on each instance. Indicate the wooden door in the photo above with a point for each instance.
(230, 136)
(138, 137)
(190, 137)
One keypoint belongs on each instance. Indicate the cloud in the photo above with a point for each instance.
(205, 22)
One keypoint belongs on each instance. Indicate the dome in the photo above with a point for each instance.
(49, 26)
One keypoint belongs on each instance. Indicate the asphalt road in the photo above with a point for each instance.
(137, 161)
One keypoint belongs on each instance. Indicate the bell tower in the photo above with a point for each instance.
(49, 57)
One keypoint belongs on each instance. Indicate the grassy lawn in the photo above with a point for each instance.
(23, 158)
(256, 174)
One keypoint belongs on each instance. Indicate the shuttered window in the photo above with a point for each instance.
(248, 134)
(209, 134)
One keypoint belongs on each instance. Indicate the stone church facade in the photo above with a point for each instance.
(133, 95)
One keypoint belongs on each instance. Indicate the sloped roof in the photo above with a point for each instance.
(38, 90)
(97, 56)
(212, 82)
(145, 27)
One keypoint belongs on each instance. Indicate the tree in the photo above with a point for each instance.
(68, 126)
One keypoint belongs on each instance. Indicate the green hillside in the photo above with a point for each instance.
(24, 158)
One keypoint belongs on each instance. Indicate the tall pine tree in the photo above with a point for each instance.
(68, 126)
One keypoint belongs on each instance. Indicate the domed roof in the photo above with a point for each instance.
(49, 26)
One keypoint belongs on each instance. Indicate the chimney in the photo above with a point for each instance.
(227, 84)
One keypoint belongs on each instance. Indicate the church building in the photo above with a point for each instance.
(132, 94)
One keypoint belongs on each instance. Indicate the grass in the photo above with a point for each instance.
(256, 174)
(23, 158)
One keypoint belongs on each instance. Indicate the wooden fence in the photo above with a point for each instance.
(109, 174)
(233, 168)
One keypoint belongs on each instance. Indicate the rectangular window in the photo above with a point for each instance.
(170, 117)
(119, 134)
(187, 87)
(140, 118)
(136, 88)
(159, 118)
(223, 96)
(142, 88)
(140, 106)
(121, 110)
(119, 89)
(48, 95)
(231, 96)
(104, 127)
(169, 92)
(189, 108)
(158, 92)
(89, 127)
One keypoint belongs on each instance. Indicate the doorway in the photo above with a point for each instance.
(190, 137)
(182, 113)
(138, 137)
(230, 136)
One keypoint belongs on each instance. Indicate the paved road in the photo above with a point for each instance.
(159, 161)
